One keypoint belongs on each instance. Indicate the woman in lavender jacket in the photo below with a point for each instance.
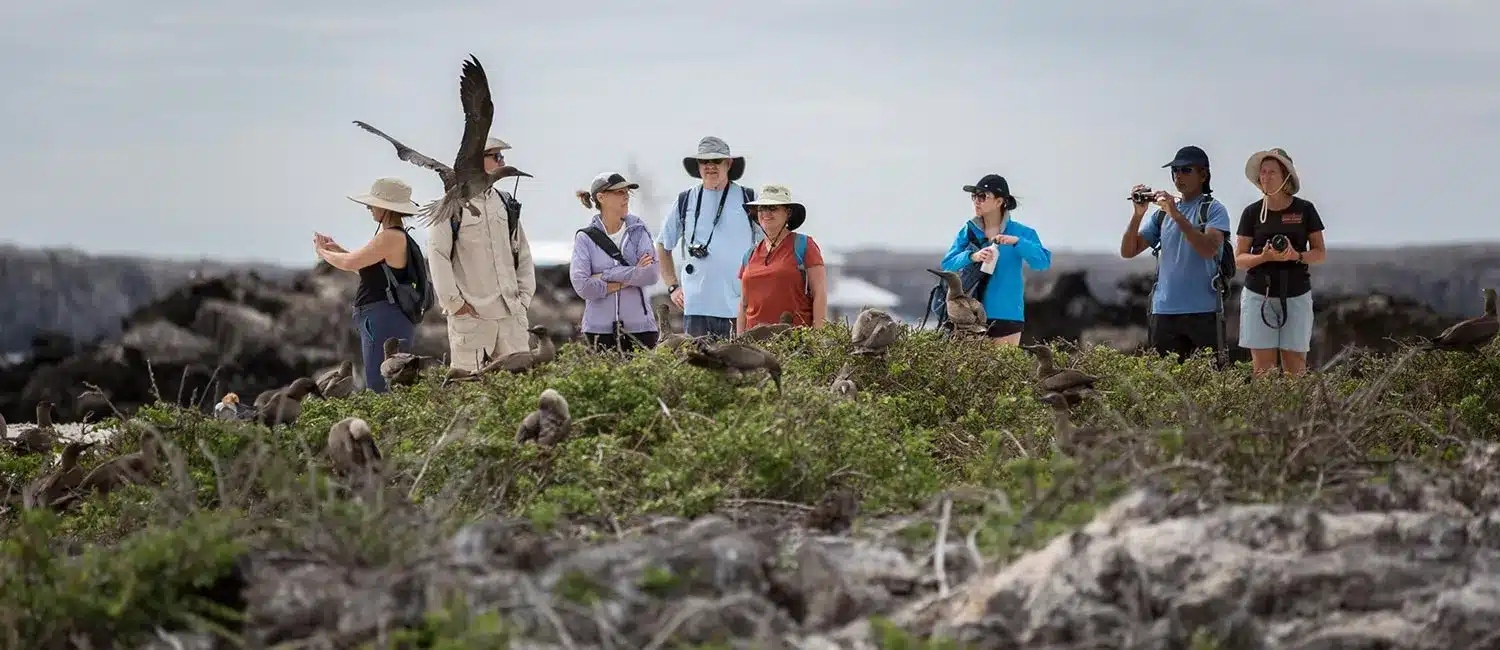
(611, 268)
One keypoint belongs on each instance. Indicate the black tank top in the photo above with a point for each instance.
(372, 282)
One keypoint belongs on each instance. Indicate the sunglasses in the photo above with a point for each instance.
(980, 196)
(717, 161)
(1188, 169)
(497, 156)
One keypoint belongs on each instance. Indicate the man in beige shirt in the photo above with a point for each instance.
(484, 275)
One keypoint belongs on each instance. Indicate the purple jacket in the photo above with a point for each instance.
(630, 302)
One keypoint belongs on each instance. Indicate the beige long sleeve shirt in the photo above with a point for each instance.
(481, 270)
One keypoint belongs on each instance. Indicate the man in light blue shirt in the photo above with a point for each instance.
(1186, 307)
(718, 230)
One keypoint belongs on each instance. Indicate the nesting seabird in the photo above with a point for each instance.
(965, 312)
(873, 332)
(549, 424)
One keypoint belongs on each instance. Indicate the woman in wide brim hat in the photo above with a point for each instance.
(712, 148)
(1278, 237)
(379, 262)
(775, 290)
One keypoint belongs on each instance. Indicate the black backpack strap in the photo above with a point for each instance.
(605, 244)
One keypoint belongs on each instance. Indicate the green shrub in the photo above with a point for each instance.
(654, 435)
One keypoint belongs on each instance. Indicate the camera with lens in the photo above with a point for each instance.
(699, 251)
(1280, 243)
(1143, 195)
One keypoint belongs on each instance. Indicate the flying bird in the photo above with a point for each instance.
(467, 178)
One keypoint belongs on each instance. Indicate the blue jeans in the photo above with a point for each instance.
(711, 325)
(376, 322)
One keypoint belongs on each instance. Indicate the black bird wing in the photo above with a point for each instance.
(413, 156)
(479, 111)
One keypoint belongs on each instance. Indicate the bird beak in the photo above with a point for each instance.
(508, 171)
(934, 272)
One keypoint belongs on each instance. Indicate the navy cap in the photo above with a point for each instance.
(992, 183)
(1189, 155)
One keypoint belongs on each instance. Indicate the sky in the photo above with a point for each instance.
(188, 129)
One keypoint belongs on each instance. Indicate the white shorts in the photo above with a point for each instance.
(1263, 326)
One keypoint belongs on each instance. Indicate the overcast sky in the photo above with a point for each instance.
(181, 129)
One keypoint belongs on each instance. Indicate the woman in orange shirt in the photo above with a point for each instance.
(784, 272)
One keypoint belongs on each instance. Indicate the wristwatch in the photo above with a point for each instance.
(1299, 257)
(672, 287)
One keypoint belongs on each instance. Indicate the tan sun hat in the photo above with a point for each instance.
(495, 144)
(390, 193)
(1252, 168)
(780, 195)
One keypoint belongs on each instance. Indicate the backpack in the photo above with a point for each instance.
(799, 248)
(682, 197)
(513, 218)
(602, 240)
(1225, 259)
(973, 280)
(416, 298)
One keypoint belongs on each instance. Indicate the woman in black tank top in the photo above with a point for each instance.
(376, 315)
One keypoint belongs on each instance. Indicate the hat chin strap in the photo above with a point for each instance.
(1265, 201)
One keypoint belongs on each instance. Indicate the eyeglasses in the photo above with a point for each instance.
(1186, 169)
(980, 196)
(497, 156)
(716, 161)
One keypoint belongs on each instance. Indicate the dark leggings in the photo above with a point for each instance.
(632, 341)
(376, 322)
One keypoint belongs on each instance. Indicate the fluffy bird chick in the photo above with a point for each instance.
(39, 438)
(285, 405)
(549, 424)
(965, 313)
(842, 385)
(873, 332)
(402, 368)
(767, 331)
(1052, 379)
(835, 511)
(338, 382)
(60, 481)
(733, 358)
(352, 449)
(229, 407)
(1470, 334)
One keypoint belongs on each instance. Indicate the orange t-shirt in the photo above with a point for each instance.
(773, 285)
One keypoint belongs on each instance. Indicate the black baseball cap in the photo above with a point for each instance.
(992, 183)
(1189, 156)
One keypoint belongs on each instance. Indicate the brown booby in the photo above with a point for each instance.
(965, 312)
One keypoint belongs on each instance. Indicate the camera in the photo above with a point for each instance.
(1143, 195)
(699, 251)
(1279, 243)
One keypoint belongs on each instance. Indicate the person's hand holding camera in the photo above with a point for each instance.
(1279, 249)
(1165, 201)
(1138, 194)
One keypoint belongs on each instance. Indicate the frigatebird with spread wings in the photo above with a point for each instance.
(466, 179)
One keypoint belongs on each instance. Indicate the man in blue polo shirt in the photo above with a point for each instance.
(1186, 307)
(711, 228)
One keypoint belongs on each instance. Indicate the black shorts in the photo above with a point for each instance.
(1002, 328)
(1184, 334)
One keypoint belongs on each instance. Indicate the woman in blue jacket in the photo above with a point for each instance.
(992, 233)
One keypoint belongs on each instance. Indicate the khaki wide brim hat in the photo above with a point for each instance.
(390, 193)
(495, 144)
(1252, 168)
(780, 195)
